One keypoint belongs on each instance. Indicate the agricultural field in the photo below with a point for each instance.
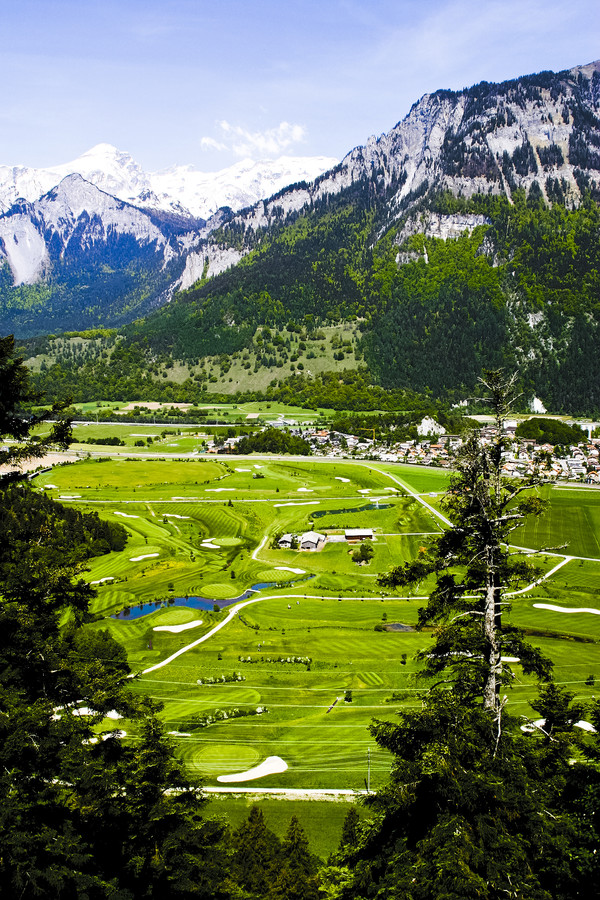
(292, 654)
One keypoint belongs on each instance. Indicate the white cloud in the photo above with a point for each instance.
(242, 142)
(208, 143)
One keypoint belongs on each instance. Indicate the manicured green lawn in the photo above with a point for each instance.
(205, 527)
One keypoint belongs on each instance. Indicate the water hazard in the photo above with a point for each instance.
(358, 509)
(144, 609)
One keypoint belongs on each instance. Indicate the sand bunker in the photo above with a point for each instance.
(305, 503)
(180, 733)
(305, 490)
(145, 556)
(364, 490)
(271, 766)
(345, 480)
(176, 629)
(175, 516)
(184, 498)
(69, 496)
(243, 470)
(51, 487)
(510, 659)
(207, 545)
(100, 580)
(290, 569)
(218, 490)
(540, 723)
(566, 609)
(126, 515)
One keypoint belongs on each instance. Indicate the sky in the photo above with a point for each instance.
(207, 83)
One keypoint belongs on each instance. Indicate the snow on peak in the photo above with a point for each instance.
(181, 189)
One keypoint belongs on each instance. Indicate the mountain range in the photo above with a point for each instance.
(466, 236)
(180, 190)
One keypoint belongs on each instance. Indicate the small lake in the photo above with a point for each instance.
(336, 512)
(206, 603)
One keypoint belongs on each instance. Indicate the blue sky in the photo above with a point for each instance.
(188, 81)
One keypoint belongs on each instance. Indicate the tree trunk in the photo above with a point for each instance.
(491, 691)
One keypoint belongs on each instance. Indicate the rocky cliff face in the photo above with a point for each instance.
(491, 138)
(539, 133)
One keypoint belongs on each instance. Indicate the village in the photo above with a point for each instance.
(521, 458)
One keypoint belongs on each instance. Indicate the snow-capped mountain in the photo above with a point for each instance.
(69, 221)
(182, 190)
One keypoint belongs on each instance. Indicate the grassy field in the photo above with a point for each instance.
(205, 528)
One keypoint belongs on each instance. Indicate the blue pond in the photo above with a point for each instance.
(336, 512)
(136, 612)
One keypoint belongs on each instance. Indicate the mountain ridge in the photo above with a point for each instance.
(466, 237)
(181, 190)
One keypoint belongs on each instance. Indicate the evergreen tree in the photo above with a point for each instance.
(297, 877)
(83, 813)
(256, 855)
(475, 807)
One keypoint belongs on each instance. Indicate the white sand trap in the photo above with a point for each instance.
(510, 659)
(305, 490)
(176, 629)
(69, 496)
(145, 556)
(586, 726)
(207, 545)
(218, 490)
(100, 580)
(302, 503)
(364, 490)
(114, 734)
(175, 516)
(540, 723)
(290, 569)
(243, 470)
(566, 609)
(395, 490)
(184, 498)
(126, 515)
(345, 480)
(51, 487)
(180, 733)
(86, 711)
(271, 766)
(258, 467)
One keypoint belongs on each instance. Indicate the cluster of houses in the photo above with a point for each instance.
(521, 458)
(314, 540)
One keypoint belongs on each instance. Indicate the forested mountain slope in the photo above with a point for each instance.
(466, 237)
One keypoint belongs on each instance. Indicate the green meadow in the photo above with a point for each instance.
(320, 651)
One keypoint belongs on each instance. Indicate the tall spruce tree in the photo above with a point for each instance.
(474, 808)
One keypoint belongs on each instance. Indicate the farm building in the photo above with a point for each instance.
(359, 534)
(312, 540)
